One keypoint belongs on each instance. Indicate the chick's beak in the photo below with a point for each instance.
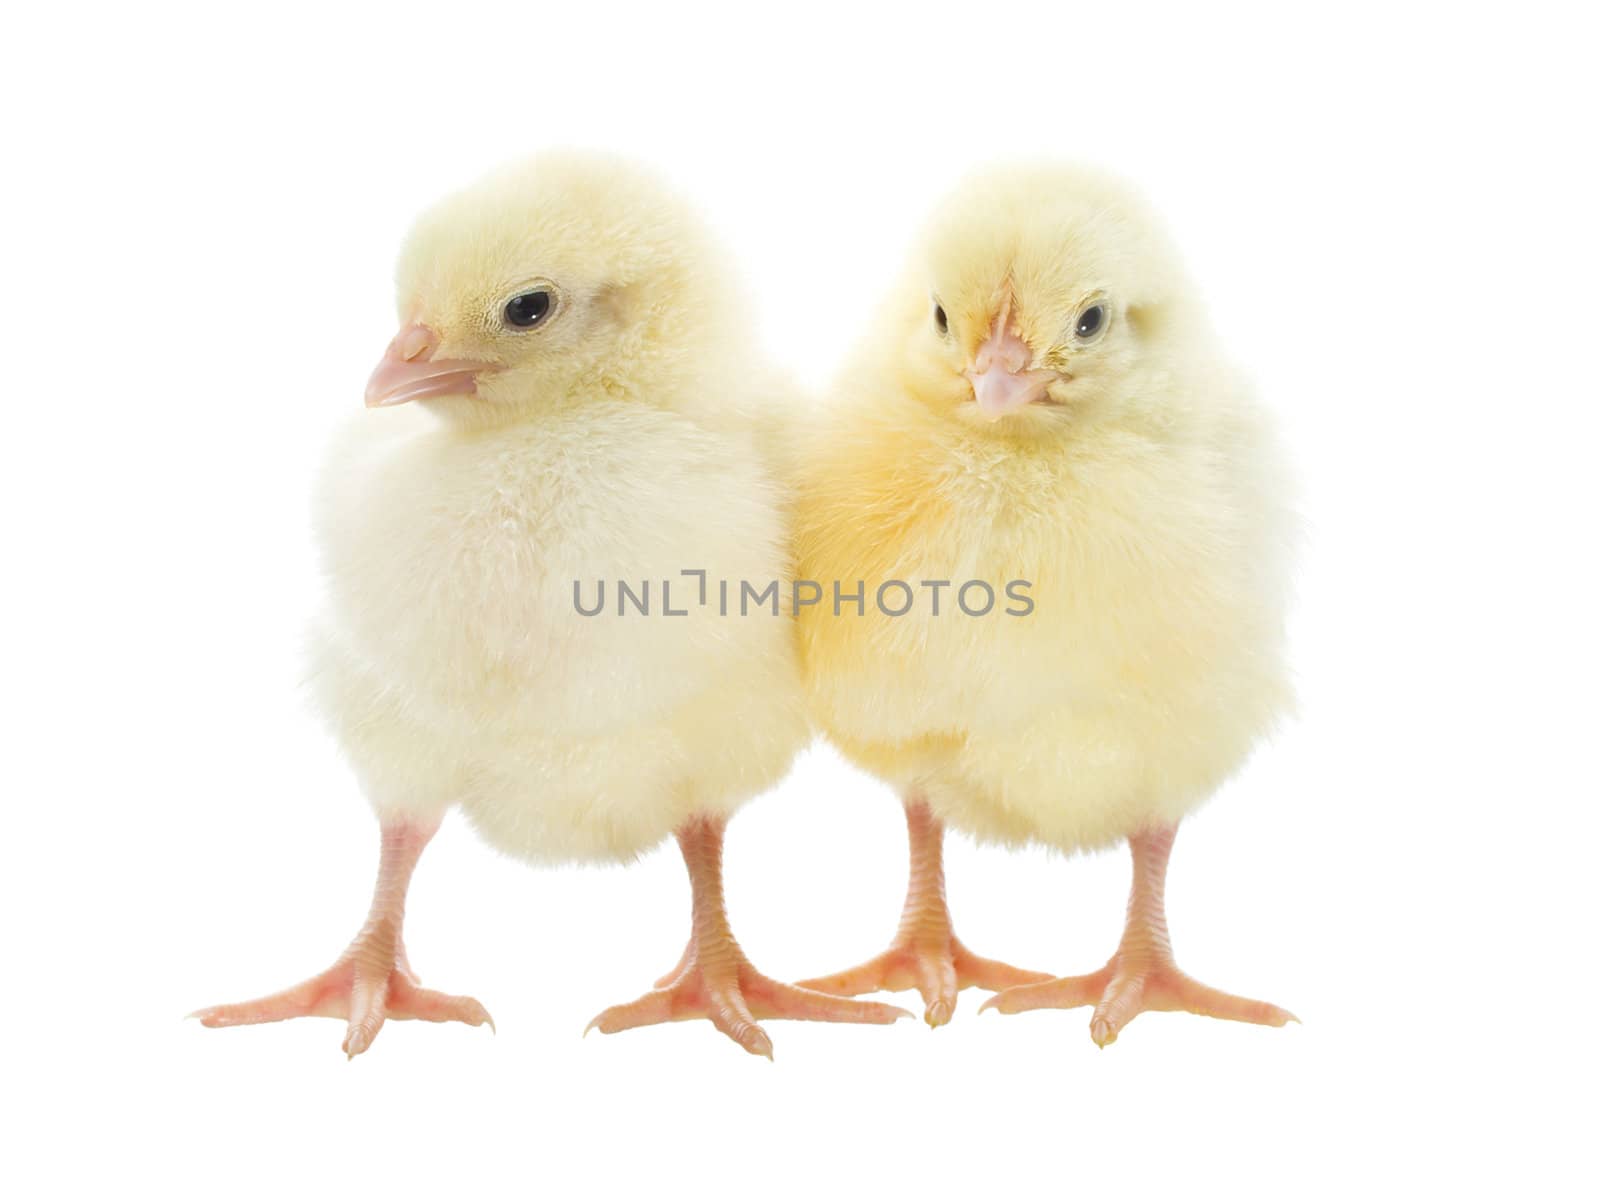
(1002, 376)
(410, 371)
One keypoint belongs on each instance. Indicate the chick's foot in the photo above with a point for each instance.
(715, 980)
(1142, 976)
(925, 953)
(366, 987)
(371, 982)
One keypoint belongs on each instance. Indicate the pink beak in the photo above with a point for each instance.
(1002, 376)
(410, 371)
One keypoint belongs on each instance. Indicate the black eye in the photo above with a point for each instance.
(527, 309)
(1090, 321)
(940, 319)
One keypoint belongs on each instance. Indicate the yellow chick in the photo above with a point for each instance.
(1066, 517)
(561, 429)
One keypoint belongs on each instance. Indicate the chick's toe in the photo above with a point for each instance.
(716, 980)
(372, 982)
(925, 953)
(1143, 975)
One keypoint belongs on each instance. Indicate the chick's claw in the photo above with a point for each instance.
(937, 966)
(734, 998)
(351, 992)
(715, 980)
(1143, 975)
(1119, 996)
(372, 981)
(925, 953)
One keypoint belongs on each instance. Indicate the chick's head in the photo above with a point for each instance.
(566, 276)
(1039, 292)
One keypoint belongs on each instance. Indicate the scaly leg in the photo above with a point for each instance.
(715, 980)
(372, 981)
(1142, 975)
(925, 953)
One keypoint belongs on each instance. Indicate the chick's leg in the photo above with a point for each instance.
(715, 980)
(925, 953)
(372, 981)
(1142, 975)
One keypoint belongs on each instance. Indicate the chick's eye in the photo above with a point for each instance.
(1090, 321)
(940, 320)
(527, 309)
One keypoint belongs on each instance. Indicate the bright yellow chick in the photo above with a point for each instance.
(561, 426)
(1067, 516)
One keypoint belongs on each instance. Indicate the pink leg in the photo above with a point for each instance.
(1142, 975)
(372, 981)
(925, 953)
(715, 980)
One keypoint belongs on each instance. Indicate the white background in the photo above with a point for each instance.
(1394, 217)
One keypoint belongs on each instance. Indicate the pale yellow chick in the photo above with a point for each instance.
(567, 405)
(1042, 412)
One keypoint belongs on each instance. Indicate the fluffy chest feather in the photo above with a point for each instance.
(451, 561)
(1128, 549)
